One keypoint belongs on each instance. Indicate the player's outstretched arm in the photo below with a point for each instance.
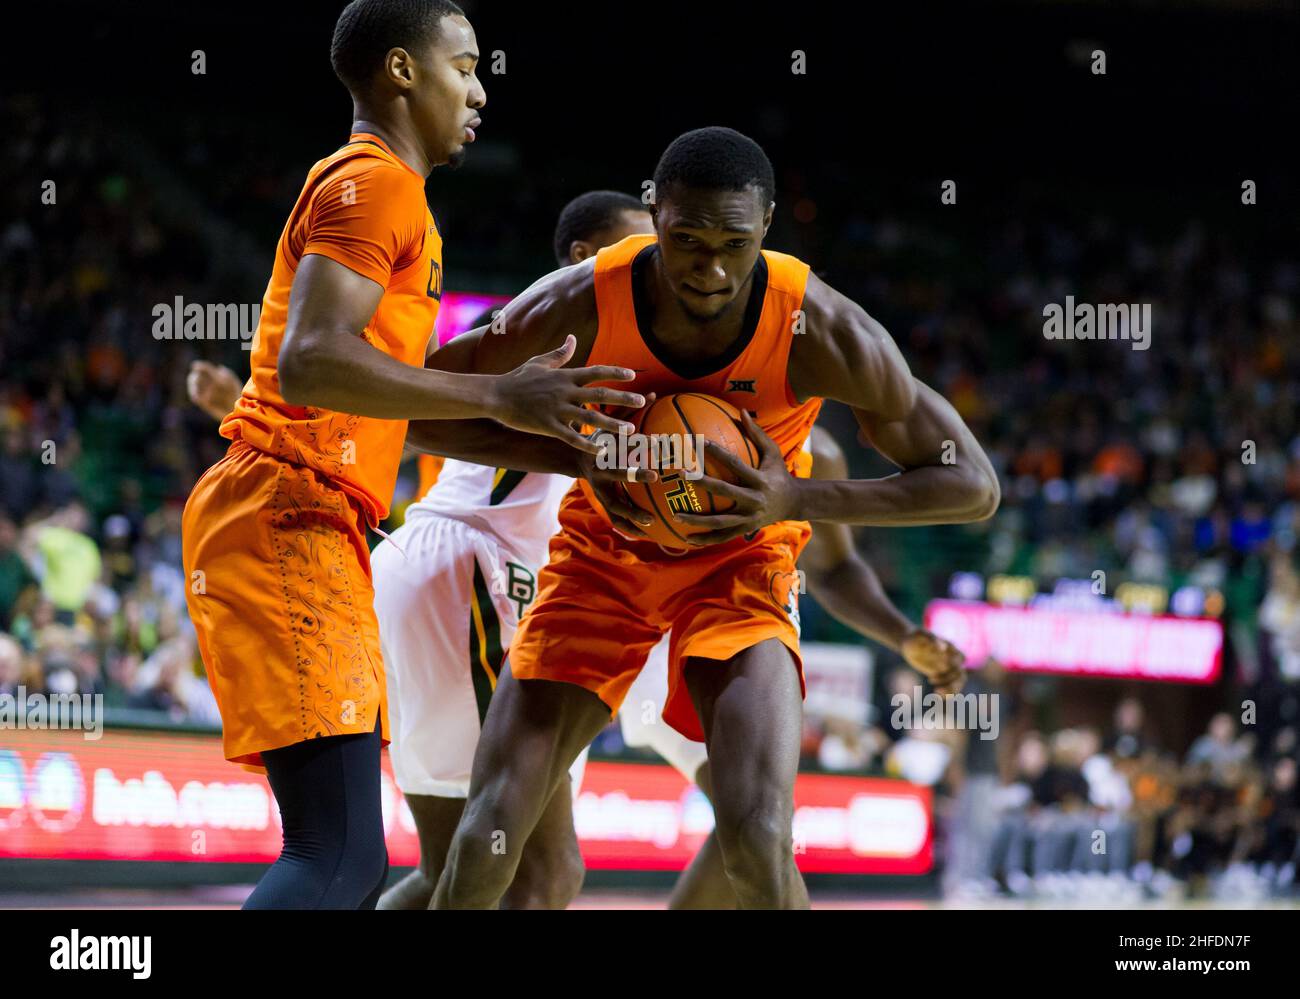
(846, 355)
(557, 307)
(324, 363)
(849, 589)
(946, 477)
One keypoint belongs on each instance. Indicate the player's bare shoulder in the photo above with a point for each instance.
(844, 354)
(552, 307)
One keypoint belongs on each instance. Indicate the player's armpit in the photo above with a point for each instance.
(538, 320)
(844, 354)
(457, 354)
(523, 349)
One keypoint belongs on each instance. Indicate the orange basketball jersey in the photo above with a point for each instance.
(364, 208)
(751, 375)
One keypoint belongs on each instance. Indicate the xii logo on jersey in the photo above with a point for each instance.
(742, 385)
(681, 495)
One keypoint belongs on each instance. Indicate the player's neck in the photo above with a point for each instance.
(403, 146)
(695, 338)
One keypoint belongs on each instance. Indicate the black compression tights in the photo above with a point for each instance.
(334, 855)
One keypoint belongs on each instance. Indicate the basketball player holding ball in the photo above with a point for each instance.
(697, 307)
(440, 681)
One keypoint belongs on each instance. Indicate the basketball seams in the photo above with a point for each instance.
(740, 428)
(686, 425)
(652, 505)
(654, 501)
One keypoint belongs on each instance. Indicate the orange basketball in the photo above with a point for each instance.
(672, 428)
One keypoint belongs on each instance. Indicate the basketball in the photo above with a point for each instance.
(674, 426)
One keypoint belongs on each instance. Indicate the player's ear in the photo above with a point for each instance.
(578, 251)
(399, 68)
(767, 216)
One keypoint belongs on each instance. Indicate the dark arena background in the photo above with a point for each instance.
(1130, 615)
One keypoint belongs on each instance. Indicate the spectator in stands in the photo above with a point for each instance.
(166, 682)
(1218, 747)
(122, 679)
(1279, 617)
(1276, 839)
(17, 584)
(20, 490)
(1126, 739)
(11, 666)
(975, 772)
(66, 559)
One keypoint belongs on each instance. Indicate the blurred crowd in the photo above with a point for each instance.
(1175, 465)
(1110, 814)
(98, 446)
(80, 616)
(1178, 464)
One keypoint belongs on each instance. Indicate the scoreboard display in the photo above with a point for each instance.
(1143, 632)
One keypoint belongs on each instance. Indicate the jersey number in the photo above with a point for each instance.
(434, 290)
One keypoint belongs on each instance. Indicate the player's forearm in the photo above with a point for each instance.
(930, 494)
(486, 442)
(850, 591)
(348, 375)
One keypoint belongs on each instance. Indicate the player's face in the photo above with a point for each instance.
(709, 242)
(445, 103)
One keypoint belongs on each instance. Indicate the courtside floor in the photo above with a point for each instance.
(230, 897)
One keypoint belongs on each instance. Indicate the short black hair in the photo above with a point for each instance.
(367, 29)
(715, 159)
(588, 214)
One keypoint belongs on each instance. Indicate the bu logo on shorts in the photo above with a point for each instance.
(517, 583)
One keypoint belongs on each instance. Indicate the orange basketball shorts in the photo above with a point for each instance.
(604, 602)
(280, 594)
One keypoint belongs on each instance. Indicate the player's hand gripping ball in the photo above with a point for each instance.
(674, 429)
